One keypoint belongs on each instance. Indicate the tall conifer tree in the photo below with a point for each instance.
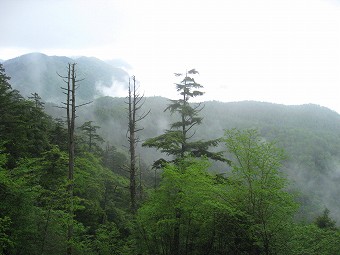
(177, 141)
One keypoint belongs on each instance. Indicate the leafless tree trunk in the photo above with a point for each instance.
(70, 107)
(135, 103)
(71, 122)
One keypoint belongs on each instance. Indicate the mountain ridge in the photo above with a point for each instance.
(38, 73)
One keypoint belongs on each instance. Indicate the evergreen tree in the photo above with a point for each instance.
(114, 159)
(324, 221)
(23, 126)
(58, 134)
(92, 138)
(177, 141)
(5, 93)
(37, 100)
(9, 118)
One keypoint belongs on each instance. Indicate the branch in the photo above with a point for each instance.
(79, 80)
(139, 129)
(143, 116)
(63, 77)
(61, 107)
(191, 135)
(84, 104)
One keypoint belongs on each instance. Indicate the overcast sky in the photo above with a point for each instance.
(281, 51)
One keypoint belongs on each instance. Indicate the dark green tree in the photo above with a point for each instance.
(177, 141)
(92, 138)
(10, 102)
(45, 182)
(114, 159)
(38, 124)
(325, 221)
(24, 128)
(5, 94)
(312, 240)
(58, 134)
(37, 100)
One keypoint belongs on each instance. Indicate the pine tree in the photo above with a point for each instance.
(92, 138)
(177, 141)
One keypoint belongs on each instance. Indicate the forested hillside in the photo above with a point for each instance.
(309, 134)
(268, 193)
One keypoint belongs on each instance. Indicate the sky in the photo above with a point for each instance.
(279, 51)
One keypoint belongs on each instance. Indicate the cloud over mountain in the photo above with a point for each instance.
(38, 73)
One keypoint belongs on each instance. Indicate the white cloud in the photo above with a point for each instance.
(117, 89)
(268, 50)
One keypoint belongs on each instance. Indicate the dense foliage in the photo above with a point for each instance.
(33, 185)
(245, 207)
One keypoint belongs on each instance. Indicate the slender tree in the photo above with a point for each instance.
(37, 100)
(90, 131)
(135, 103)
(177, 141)
(70, 106)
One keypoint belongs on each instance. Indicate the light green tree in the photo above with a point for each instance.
(208, 224)
(259, 188)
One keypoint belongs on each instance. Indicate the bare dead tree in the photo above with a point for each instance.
(135, 103)
(70, 106)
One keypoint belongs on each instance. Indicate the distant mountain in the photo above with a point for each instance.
(37, 73)
(119, 63)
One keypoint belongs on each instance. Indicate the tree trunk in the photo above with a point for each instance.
(134, 104)
(70, 107)
(71, 120)
(132, 143)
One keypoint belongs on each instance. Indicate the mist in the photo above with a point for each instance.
(273, 51)
(117, 89)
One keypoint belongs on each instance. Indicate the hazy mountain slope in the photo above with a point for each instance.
(310, 135)
(36, 72)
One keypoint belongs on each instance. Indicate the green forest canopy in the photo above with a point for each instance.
(239, 209)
